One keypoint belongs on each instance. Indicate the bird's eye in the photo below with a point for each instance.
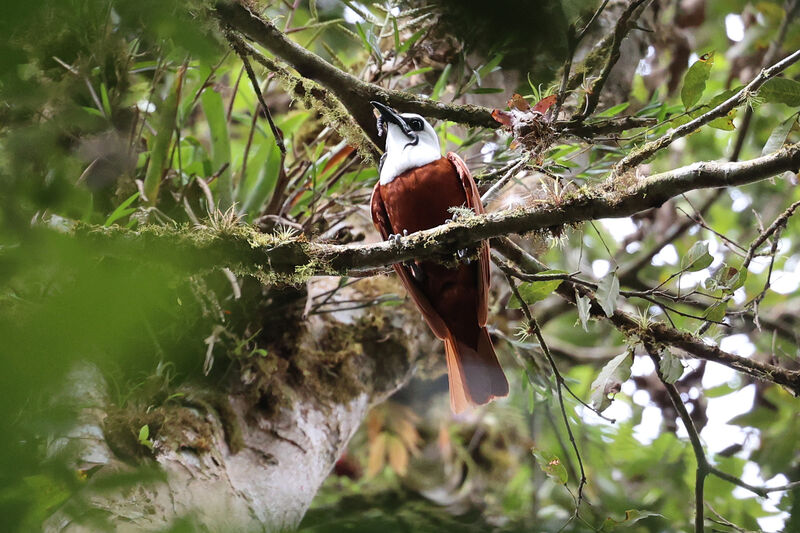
(416, 124)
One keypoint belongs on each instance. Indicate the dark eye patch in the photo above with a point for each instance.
(416, 124)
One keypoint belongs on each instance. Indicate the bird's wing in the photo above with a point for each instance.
(381, 221)
(474, 203)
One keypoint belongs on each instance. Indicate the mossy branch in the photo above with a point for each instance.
(354, 93)
(287, 259)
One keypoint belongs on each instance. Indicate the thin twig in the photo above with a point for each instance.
(534, 326)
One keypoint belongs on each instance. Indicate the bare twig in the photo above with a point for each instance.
(560, 383)
(276, 132)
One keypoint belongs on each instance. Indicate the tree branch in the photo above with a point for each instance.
(354, 93)
(657, 332)
(292, 259)
(643, 153)
(624, 24)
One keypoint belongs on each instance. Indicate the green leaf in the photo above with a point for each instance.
(631, 517)
(716, 312)
(697, 258)
(670, 366)
(779, 135)
(584, 304)
(551, 465)
(615, 110)
(607, 292)
(160, 147)
(610, 379)
(259, 184)
(406, 46)
(487, 90)
(144, 436)
(370, 42)
(491, 65)
(531, 395)
(726, 279)
(694, 81)
(106, 102)
(781, 91)
(534, 291)
(441, 83)
(122, 210)
(214, 109)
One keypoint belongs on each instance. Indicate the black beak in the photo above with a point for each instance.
(387, 114)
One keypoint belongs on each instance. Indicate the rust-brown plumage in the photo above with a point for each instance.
(454, 301)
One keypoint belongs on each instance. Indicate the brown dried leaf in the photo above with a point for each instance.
(398, 455)
(377, 455)
(518, 102)
(545, 103)
(503, 117)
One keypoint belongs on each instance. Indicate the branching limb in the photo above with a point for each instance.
(658, 333)
(697, 447)
(354, 93)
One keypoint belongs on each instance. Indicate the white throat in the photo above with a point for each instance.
(401, 155)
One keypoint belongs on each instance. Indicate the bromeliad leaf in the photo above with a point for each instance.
(610, 379)
(615, 110)
(670, 366)
(533, 291)
(144, 437)
(697, 258)
(607, 292)
(694, 82)
(122, 210)
(551, 465)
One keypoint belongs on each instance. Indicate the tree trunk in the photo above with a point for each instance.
(237, 460)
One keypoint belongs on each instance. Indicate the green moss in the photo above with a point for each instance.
(173, 426)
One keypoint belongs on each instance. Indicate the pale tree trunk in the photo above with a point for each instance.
(229, 462)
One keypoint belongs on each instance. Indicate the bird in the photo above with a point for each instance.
(416, 190)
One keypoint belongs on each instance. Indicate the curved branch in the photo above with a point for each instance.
(293, 259)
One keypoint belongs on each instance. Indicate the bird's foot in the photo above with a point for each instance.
(394, 238)
(463, 253)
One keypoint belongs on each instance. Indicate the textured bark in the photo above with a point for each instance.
(262, 475)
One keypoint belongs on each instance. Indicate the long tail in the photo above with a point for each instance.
(475, 375)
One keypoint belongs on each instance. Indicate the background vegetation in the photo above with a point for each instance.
(141, 118)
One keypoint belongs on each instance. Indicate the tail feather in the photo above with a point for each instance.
(475, 375)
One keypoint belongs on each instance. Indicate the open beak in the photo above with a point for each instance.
(389, 115)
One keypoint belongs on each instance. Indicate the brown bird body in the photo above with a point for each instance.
(453, 301)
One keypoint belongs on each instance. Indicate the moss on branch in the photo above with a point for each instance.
(286, 259)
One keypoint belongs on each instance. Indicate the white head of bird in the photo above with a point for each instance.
(411, 142)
